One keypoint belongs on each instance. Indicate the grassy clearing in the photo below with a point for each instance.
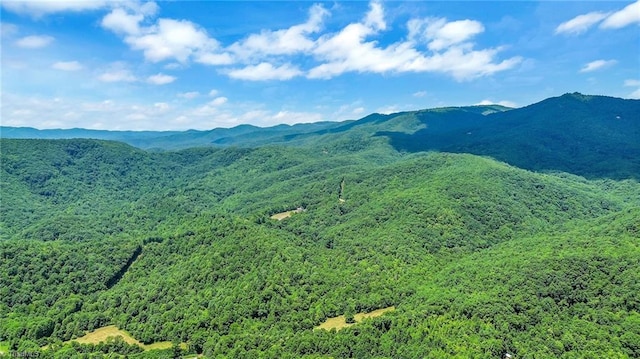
(282, 215)
(101, 334)
(340, 322)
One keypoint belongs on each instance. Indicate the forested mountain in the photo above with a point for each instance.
(246, 135)
(479, 257)
(592, 136)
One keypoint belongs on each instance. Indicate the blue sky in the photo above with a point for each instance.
(176, 65)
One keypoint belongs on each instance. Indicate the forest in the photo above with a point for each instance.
(481, 249)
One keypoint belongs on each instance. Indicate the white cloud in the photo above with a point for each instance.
(597, 65)
(632, 83)
(44, 7)
(122, 22)
(67, 66)
(420, 94)
(114, 114)
(629, 15)
(265, 71)
(440, 34)
(282, 42)
(189, 95)
(35, 41)
(291, 118)
(166, 39)
(349, 51)
(501, 103)
(268, 54)
(117, 75)
(160, 79)
(210, 58)
(581, 23)
(213, 92)
(386, 110)
(219, 101)
(171, 39)
(625, 17)
(375, 17)
(211, 108)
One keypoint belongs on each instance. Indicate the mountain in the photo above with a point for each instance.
(478, 257)
(591, 136)
(171, 140)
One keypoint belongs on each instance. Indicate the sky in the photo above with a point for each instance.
(178, 65)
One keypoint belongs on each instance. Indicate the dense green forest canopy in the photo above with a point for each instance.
(479, 257)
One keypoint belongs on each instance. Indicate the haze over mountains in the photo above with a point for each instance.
(490, 230)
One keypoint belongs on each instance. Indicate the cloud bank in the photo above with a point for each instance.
(434, 45)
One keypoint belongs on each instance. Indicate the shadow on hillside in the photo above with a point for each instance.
(550, 154)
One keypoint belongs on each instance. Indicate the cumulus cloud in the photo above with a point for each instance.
(451, 50)
(420, 94)
(160, 79)
(597, 65)
(270, 54)
(625, 17)
(166, 39)
(282, 42)
(581, 23)
(67, 66)
(122, 22)
(635, 94)
(35, 41)
(171, 39)
(265, 71)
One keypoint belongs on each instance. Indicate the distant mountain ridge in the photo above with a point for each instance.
(166, 140)
(591, 136)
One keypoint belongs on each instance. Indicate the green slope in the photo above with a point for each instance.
(479, 257)
(591, 136)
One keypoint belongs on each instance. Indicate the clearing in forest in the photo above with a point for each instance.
(341, 321)
(282, 215)
(101, 334)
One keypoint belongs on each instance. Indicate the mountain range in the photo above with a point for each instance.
(481, 231)
(591, 136)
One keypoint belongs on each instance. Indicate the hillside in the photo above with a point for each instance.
(591, 136)
(479, 257)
